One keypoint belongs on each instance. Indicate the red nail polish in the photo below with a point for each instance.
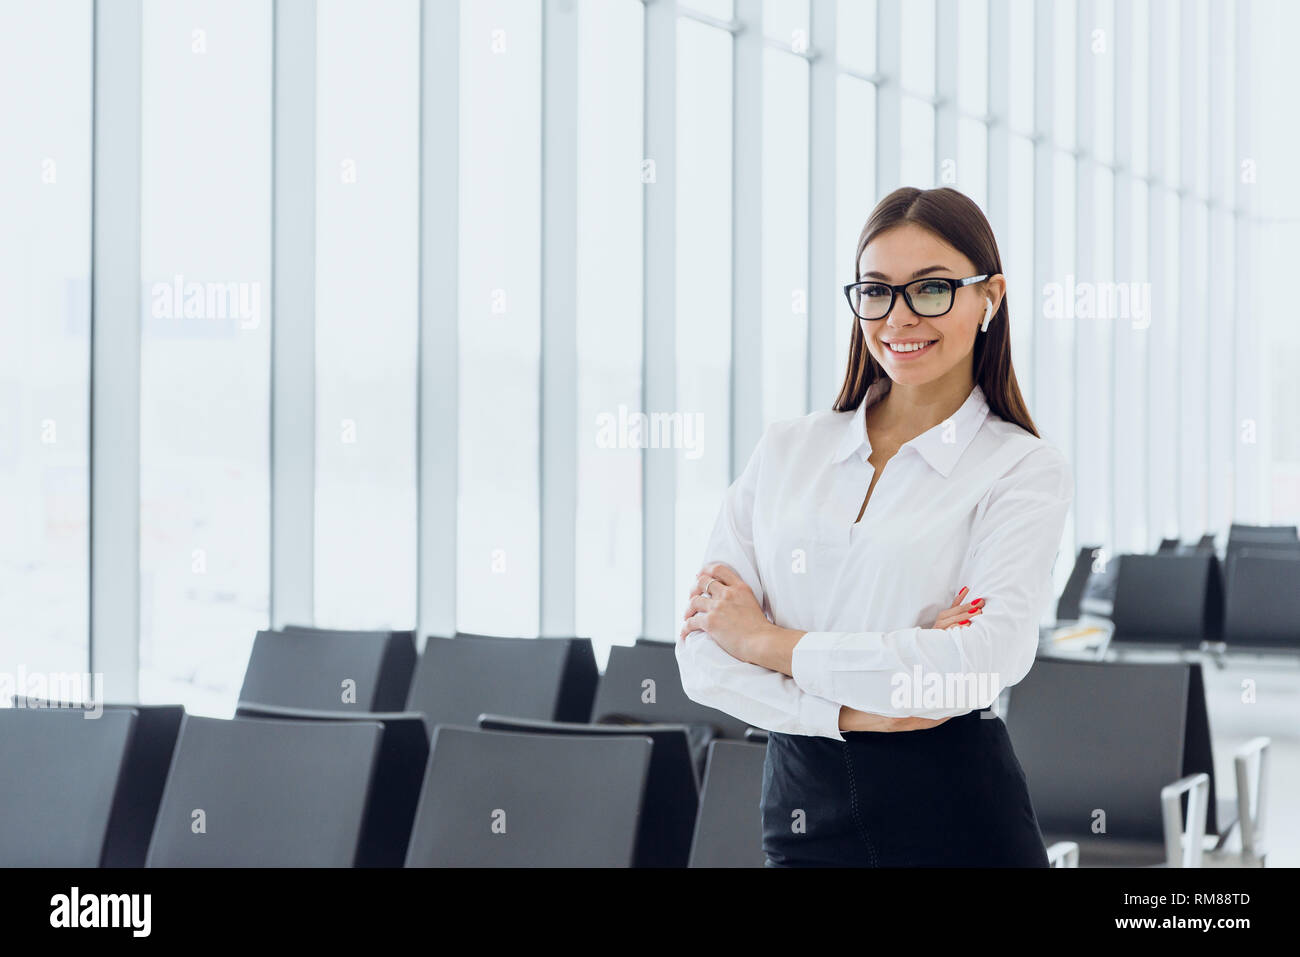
(977, 602)
(966, 622)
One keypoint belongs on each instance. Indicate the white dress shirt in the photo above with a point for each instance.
(974, 501)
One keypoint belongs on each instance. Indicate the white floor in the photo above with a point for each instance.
(1275, 712)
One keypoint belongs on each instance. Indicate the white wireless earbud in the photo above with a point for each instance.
(988, 315)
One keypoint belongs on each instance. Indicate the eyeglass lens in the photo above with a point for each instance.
(927, 298)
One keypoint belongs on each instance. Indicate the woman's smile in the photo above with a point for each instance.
(907, 350)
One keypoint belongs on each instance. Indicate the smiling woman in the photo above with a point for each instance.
(820, 626)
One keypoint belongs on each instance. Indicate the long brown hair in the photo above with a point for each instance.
(954, 218)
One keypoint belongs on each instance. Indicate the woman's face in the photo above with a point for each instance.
(908, 252)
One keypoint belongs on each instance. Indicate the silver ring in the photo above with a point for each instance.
(706, 587)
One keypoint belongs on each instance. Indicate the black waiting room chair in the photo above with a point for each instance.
(1168, 600)
(1117, 757)
(457, 679)
(64, 792)
(143, 773)
(398, 774)
(729, 829)
(252, 792)
(1262, 604)
(671, 791)
(330, 670)
(498, 799)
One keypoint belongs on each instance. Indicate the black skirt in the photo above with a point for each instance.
(949, 796)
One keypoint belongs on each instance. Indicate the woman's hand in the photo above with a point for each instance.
(729, 612)
(853, 720)
(958, 613)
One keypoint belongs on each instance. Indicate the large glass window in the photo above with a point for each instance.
(611, 39)
(1021, 66)
(1139, 72)
(367, 312)
(1099, 51)
(786, 22)
(855, 34)
(1065, 61)
(916, 163)
(45, 205)
(973, 56)
(1017, 248)
(205, 262)
(972, 160)
(703, 262)
(1131, 423)
(920, 49)
(1100, 309)
(500, 316)
(784, 270)
(855, 197)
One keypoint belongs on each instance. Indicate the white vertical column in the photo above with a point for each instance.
(293, 311)
(115, 352)
(824, 299)
(747, 235)
(659, 389)
(439, 366)
(558, 468)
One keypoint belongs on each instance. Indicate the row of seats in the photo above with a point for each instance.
(442, 782)
(1118, 760)
(1183, 596)
(656, 780)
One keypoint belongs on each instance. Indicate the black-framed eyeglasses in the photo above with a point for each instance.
(929, 297)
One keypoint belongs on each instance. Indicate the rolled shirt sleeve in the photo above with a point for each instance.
(710, 675)
(943, 672)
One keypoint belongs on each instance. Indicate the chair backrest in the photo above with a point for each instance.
(1098, 740)
(1280, 538)
(144, 773)
(266, 793)
(326, 632)
(1168, 599)
(1167, 546)
(62, 776)
(330, 670)
(1276, 533)
(457, 679)
(1262, 605)
(399, 772)
(729, 829)
(497, 799)
(1067, 607)
(671, 792)
(643, 684)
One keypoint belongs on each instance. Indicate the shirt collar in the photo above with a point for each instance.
(941, 446)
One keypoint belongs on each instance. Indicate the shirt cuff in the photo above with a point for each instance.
(822, 717)
(810, 662)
